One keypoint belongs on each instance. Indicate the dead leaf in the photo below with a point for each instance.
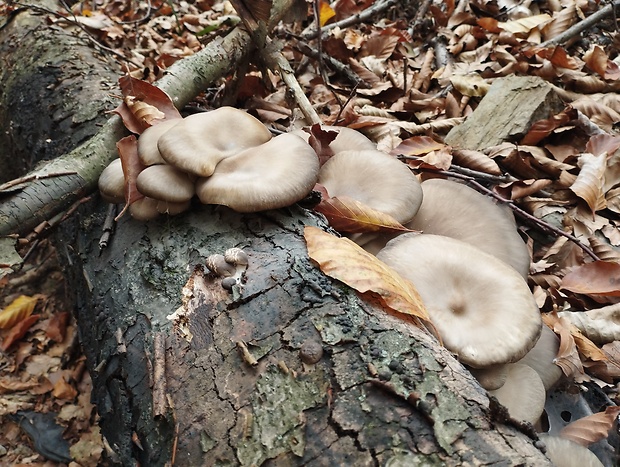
(416, 146)
(142, 104)
(18, 331)
(596, 278)
(343, 260)
(64, 390)
(596, 59)
(18, 310)
(132, 166)
(591, 429)
(346, 214)
(325, 13)
(568, 357)
(57, 326)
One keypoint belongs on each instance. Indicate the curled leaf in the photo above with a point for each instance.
(349, 215)
(591, 429)
(343, 260)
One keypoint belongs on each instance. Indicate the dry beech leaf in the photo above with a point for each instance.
(132, 166)
(525, 25)
(18, 331)
(475, 160)
(470, 85)
(602, 143)
(349, 215)
(521, 188)
(591, 429)
(596, 278)
(146, 103)
(343, 260)
(18, 310)
(417, 145)
(325, 13)
(562, 20)
(437, 160)
(597, 60)
(64, 390)
(568, 356)
(589, 183)
(601, 325)
(543, 128)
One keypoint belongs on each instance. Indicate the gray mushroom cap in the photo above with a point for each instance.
(523, 393)
(147, 142)
(458, 211)
(482, 308)
(199, 142)
(112, 183)
(375, 179)
(165, 183)
(270, 176)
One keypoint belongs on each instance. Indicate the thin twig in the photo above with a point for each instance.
(354, 19)
(334, 64)
(581, 26)
(518, 211)
(29, 178)
(274, 59)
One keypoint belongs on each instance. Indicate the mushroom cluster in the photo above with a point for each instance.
(225, 157)
(469, 265)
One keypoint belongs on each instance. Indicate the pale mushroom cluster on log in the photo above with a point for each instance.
(469, 263)
(225, 157)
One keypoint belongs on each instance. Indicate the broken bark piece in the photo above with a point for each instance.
(506, 113)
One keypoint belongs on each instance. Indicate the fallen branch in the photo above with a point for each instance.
(581, 26)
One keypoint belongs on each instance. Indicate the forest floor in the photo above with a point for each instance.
(404, 74)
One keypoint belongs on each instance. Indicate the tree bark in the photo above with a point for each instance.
(188, 373)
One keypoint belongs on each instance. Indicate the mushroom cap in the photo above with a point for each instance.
(542, 356)
(172, 209)
(273, 175)
(165, 183)
(112, 183)
(492, 377)
(147, 142)
(523, 393)
(199, 142)
(458, 211)
(375, 179)
(347, 139)
(566, 453)
(144, 209)
(482, 308)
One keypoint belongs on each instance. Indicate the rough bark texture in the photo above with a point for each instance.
(57, 67)
(506, 113)
(382, 393)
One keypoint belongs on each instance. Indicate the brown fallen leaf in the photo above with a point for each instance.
(57, 326)
(346, 214)
(343, 260)
(64, 390)
(18, 331)
(589, 430)
(589, 183)
(142, 104)
(132, 166)
(18, 310)
(568, 356)
(596, 278)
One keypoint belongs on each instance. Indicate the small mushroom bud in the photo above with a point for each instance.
(218, 266)
(311, 352)
(229, 282)
(236, 256)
